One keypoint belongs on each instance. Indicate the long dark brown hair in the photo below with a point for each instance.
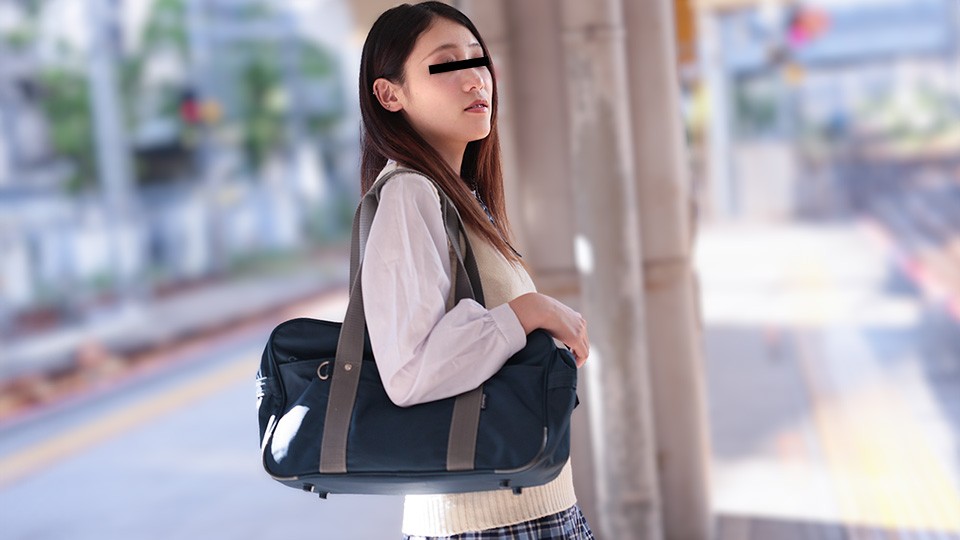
(388, 135)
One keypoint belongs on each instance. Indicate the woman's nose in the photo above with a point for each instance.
(474, 79)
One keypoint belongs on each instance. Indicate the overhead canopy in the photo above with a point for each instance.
(365, 12)
(726, 5)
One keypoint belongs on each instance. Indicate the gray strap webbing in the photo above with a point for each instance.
(345, 375)
(465, 422)
(462, 442)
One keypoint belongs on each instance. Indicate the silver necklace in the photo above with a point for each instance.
(483, 205)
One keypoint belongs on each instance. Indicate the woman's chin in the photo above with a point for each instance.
(480, 134)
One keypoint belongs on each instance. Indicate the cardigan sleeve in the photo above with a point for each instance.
(424, 352)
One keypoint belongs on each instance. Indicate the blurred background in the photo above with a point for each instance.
(179, 176)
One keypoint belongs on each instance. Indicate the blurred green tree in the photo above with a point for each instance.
(257, 110)
(66, 102)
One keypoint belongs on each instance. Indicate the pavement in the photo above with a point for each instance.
(834, 390)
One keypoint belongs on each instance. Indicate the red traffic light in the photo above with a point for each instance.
(190, 107)
(806, 24)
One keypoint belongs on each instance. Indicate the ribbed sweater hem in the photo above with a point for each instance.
(445, 515)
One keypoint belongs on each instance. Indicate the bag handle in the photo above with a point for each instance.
(345, 375)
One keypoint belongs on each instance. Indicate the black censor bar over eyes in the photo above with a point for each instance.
(460, 64)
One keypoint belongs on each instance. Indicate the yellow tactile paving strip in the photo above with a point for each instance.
(885, 472)
(33, 459)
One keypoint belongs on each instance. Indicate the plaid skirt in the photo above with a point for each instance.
(567, 525)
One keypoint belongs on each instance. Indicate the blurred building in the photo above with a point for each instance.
(149, 143)
(789, 80)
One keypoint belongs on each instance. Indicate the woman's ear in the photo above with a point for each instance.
(388, 94)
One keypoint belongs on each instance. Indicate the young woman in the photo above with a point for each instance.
(442, 122)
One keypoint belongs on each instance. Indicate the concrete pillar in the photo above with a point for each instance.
(665, 200)
(6, 142)
(607, 253)
(525, 41)
(114, 162)
(113, 159)
(9, 156)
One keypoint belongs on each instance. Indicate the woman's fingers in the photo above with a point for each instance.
(581, 351)
(571, 328)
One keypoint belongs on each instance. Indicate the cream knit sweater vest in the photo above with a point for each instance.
(443, 515)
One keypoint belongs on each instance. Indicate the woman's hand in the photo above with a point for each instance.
(537, 310)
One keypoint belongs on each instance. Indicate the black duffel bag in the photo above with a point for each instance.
(328, 426)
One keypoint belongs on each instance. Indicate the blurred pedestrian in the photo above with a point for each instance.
(428, 102)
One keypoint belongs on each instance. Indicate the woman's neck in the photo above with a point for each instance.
(469, 184)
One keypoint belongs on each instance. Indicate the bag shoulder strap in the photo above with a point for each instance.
(345, 376)
(363, 220)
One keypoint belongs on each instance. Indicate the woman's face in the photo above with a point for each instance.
(436, 104)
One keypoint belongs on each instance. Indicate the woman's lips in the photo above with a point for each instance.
(477, 109)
